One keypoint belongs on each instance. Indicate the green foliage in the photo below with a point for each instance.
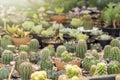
(59, 10)
(45, 54)
(66, 56)
(34, 58)
(28, 25)
(105, 37)
(70, 46)
(24, 48)
(60, 50)
(48, 32)
(51, 49)
(4, 73)
(96, 46)
(76, 22)
(93, 70)
(115, 43)
(23, 55)
(37, 29)
(107, 51)
(11, 48)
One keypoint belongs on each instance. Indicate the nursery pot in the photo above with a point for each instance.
(20, 41)
(58, 18)
(67, 37)
(115, 32)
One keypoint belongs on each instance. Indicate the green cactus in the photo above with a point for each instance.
(23, 55)
(66, 56)
(97, 46)
(101, 69)
(107, 50)
(23, 48)
(45, 54)
(93, 70)
(4, 73)
(87, 22)
(70, 46)
(34, 58)
(60, 50)
(11, 48)
(115, 54)
(25, 70)
(52, 50)
(7, 56)
(34, 45)
(95, 54)
(113, 67)
(115, 43)
(81, 48)
(6, 40)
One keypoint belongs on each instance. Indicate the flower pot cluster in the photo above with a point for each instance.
(43, 45)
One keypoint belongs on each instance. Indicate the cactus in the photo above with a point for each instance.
(101, 69)
(93, 70)
(6, 40)
(23, 55)
(25, 70)
(4, 73)
(23, 48)
(115, 43)
(97, 46)
(115, 54)
(7, 56)
(34, 58)
(66, 56)
(113, 67)
(52, 50)
(34, 45)
(107, 50)
(70, 46)
(60, 50)
(11, 48)
(95, 54)
(45, 54)
(87, 22)
(81, 48)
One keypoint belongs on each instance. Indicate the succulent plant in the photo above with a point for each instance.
(25, 70)
(70, 46)
(96, 32)
(115, 43)
(24, 48)
(105, 37)
(45, 24)
(6, 40)
(28, 25)
(115, 54)
(23, 55)
(95, 54)
(82, 36)
(76, 22)
(96, 46)
(59, 10)
(4, 73)
(48, 32)
(34, 58)
(87, 22)
(113, 67)
(11, 48)
(45, 54)
(101, 69)
(93, 69)
(37, 29)
(7, 56)
(57, 26)
(51, 49)
(66, 56)
(60, 50)
(107, 51)
(34, 45)
(81, 48)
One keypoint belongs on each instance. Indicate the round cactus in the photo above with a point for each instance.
(115, 54)
(23, 55)
(52, 50)
(107, 50)
(101, 69)
(93, 70)
(70, 46)
(4, 73)
(60, 50)
(115, 43)
(45, 54)
(113, 67)
(7, 56)
(34, 58)
(46, 65)
(34, 45)
(6, 40)
(11, 48)
(25, 70)
(81, 48)
(24, 48)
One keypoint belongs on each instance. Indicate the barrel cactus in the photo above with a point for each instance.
(101, 69)
(60, 50)
(11, 48)
(6, 40)
(34, 45)
(81, 48)
(25, 70)
(4, 73)
(45, 54)
(115, 54)
(23, 48)
(115, 43)
(107, 50)
(93, 70)
(34, 58)
(52, 50)
(70, 46)
(113, 67)
(7, 57)
(23, 55)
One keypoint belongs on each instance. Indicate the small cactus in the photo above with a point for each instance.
(115, 43)
(97, 47)
(60, 50)
(45, 54)
(95, 54)
(70, 46)
(93, 70)
(24, 48)
(34, 45)
(25, 70)
(81, 48)
(7, 56)
(4, 73)
(11, 48)
(66, 56)
(52, 50)
(113, 67)
(115, 54)
(101, 69)
(23, 55)
(107, 50)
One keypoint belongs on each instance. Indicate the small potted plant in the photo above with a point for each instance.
(59, 18)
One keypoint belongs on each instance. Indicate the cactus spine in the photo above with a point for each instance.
(70, 46)
(7, 56)
(23, 55)
(11, 48)
(60, 50)
(45, 54)
(24, 48)
(113, 67)
(6, 40)
(101, 69)
(4, 73)
(81, 48)
(107, 50)
(34, 45)
(115, 43)
(115, 54)
(25, 70)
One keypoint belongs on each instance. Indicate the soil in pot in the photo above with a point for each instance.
(67, 37)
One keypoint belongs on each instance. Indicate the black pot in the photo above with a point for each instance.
(111, 31)
(89, 42)
(67, 37)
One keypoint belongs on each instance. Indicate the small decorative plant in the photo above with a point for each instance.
(105, 37)
(76, 22)
(28, 25)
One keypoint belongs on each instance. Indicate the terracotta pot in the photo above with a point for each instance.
(60, 65)
(58, 18)
(20, 41)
